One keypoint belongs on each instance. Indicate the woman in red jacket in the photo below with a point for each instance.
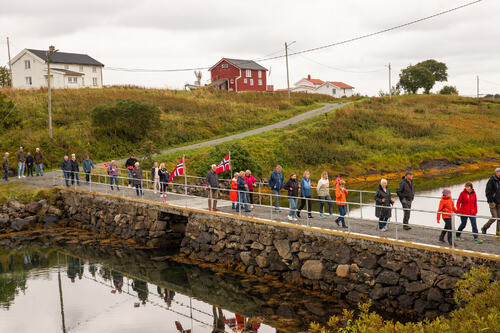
(446, 207)
(233, 195)
(467, 205)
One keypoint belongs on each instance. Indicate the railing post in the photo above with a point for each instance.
(271, 204)
(452, 230)
(396, 224)
(260, 200)
(361, 203)
(307, 208)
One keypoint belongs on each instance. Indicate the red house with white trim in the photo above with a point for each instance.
(238, 75)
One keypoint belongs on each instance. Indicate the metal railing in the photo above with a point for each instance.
(185, 195)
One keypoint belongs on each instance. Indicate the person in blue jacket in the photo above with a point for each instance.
(305, 194)
(276, 182)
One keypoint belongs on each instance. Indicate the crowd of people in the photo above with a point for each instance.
(25, 163)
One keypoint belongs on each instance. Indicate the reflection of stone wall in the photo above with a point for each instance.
(394, 277)
(147, 224)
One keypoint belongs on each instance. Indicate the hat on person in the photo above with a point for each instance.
(408, 173)
(497, 170)
(446, 192)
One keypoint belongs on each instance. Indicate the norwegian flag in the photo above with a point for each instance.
(224, 165)
(107, 165)
(337, 180)
(178, 171)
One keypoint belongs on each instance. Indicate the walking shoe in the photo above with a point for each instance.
(406, 227)
(322, 216)
(478, 241)
(344, 226)
(459, 239)
(338, 224)
(331, 215)
(251, 206)
(383, 229)
(442, 240)
(19, 177)
(129, 186)
(290, 218)
(483, 230)
(24, 176)
(248, 211)
(295, 219)
(309, 216)
(298, 215)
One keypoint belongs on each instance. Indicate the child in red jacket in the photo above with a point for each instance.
(467, 205)
(446, 207)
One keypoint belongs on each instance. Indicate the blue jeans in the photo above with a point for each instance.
(20, 168)
(6, 173)
(74, 175)
(130, 176)
(463, 223)
(276, 199)
(67, 175)
(382, 222)
(115, 179)
(242, 199)
(39, 167)
(293, 207)
(342, 212)
(138, 189)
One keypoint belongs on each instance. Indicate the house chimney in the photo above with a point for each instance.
(308, 76)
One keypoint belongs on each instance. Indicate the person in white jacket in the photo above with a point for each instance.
(323, 189)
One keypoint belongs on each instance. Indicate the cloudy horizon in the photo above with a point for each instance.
(167, 35)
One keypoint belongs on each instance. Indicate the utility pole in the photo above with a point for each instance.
(477, 83)
(390, 87)
(51, 50)
(10, 67)
(287, 74)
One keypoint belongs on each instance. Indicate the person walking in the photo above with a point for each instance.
(323, 189)
(38, 162)
(341, 198)
(276, 182)
(242, 195)
(446, 207)
(406, 193)
(88, 165)
(113, 175)
(292, 186)
(21, 162)
(164, 177)
(233, 195)
(493, 198)
(212, 181)
(66, 168)
(75, 169)
(137, 178)
(467, 205)
(129, 165)
(250, 180)
(5, 166)
(155, 177)
(29, 164)
(305, 194)
(383, 198)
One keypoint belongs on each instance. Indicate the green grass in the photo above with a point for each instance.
(186, 117)
(24, 193)
(379, 135)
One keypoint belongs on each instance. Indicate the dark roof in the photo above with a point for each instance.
(67, 58)
(243, 64)
(67, 71)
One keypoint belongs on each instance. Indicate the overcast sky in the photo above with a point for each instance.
(166, 34)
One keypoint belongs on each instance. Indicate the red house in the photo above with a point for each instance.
(238, 75)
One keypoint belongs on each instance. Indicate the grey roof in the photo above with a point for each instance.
(67, 71)
(246, 64)
(67, 58)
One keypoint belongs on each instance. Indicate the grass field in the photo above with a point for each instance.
(185, 117)
(380, 136)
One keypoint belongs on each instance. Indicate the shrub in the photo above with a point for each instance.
(448, 90)
(9, 115)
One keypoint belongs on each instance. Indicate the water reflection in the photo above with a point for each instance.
(131, 293)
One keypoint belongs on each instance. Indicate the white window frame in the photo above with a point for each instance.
(248, 73)
(260, 74)
(81, 68)
(66, 66)
(245, 80)
(72, 79)
(94, 69)
(29, 81)
(251, 82)
(225, 66)
(334, 91)
(27, 64)
(94, 81)
(260, 82)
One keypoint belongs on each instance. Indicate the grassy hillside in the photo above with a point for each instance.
(185, 117)
(380, 135)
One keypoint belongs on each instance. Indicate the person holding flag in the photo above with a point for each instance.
(178, 171)
(212, 181)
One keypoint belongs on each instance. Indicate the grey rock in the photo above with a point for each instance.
(416, 287)
(262, 260)
(434, 295)
(246, 257)
(388, 277)
(51, 219)
(428, 277)
(447, 283)
(390, 264)
(21, 224)
(257, 246)
(283, 247)
(15, 205)
(410, 271)
(405, 301)
(205, 238)
(33, 207)
(266, 238)
(342, 271)
(4, 219)
(312, 269)
(368, 261)
(377, 293)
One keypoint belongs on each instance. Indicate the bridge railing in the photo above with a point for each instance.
(188, 195)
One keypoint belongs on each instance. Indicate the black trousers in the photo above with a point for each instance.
(446, 230)
(303, 202)
(30, 170)
(250, 197)
(407, 206)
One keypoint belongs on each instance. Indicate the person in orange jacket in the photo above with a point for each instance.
(340, 197)
(233, 195)
(446, 207)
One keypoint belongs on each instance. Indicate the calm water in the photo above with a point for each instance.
(122, 291)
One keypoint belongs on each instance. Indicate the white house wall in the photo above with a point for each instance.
(327, 89)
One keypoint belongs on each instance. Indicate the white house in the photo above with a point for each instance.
(67, 70)
(317, 86)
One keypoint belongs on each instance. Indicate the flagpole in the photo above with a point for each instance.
(185, 175)
(230, 169)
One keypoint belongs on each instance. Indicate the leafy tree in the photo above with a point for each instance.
(9, 116)
(5, 77)
(415, 77)
(128, 119)
(448, 90)
(438, 69)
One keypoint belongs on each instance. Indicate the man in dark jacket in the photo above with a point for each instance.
(66, 168)
(29, 164)
(75, 168)
(493, 198)
(212, 181)
(5, 166)
(242, 188)
(406, 193)
(129, 165)
(38, 162)
(276, 182)
(21, 162)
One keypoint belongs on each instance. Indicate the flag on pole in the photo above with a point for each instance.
(337, 180)
(225, 165)
(178, 171)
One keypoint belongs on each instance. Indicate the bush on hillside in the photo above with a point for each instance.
(128, 119)
(448, 90)
(9, 116)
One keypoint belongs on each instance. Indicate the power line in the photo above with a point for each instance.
(314, 48)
